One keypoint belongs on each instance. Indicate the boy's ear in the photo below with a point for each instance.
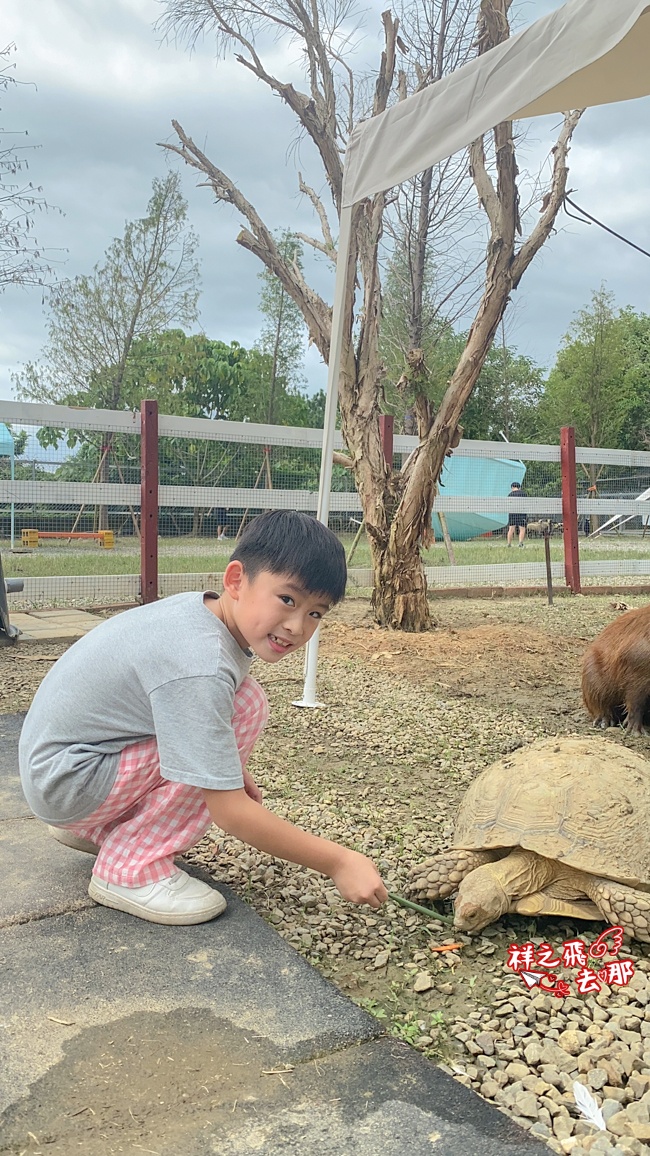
(233, 577)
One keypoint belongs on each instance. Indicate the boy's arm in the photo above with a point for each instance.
(353, 874)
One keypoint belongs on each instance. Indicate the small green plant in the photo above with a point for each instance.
(373, 1007)
(406, 1029)
(396, 990)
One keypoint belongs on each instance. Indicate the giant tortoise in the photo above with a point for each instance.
(561, 827)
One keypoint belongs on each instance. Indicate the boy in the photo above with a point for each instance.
(138, 737)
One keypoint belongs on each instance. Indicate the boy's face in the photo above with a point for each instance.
(273, 615)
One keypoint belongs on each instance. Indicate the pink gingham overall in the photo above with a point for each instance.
(146, 820)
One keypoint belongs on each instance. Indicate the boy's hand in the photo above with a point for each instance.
(358, 881)
(251, 788)
(236, 812)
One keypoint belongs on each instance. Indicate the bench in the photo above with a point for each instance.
(106, 538)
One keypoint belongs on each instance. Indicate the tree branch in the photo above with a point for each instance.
(306, 110)
(484, 187)
(328, 247)
(319, 245)
(552, 201)
(386, 71)
(259, 240)
(342, 460)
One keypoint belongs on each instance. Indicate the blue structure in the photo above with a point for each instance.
(7, 450)
(474, 477)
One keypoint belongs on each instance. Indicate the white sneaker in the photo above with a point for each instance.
(69, 839)
(179, 899)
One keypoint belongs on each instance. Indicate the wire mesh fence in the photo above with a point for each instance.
(495, 504)
(70, 506)
(613, 488)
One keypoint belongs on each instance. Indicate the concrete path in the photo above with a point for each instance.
(122, 1036)
(53, 625)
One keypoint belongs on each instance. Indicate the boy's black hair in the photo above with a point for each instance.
(293, 543)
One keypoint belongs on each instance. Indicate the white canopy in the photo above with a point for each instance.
(588, 52)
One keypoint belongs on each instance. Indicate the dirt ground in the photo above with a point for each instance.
(458, 657)
(530, 639)
(409, 721)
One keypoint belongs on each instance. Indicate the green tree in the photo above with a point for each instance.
(600, 382)
(283, 331)
(584, 385)
(593, 384)
(147, 282)
(505, 398)
(635, 427)
(196, 376)
(188, 374)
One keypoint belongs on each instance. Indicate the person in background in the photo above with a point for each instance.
(517, 521)
(222, 524)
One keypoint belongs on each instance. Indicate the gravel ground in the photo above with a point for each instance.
(409, 721)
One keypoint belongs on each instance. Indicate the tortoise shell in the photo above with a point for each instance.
(582, 801)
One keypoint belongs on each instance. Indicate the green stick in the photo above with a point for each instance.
(422, 910)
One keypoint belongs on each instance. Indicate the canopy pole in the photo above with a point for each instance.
(13, 508)
(325, 483)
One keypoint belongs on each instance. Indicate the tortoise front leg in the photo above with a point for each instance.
(622, 905)
(437, 878)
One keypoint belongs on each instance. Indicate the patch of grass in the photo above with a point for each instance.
(185, 555)
(46, 563)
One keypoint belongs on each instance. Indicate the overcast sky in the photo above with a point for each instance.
(100, 92)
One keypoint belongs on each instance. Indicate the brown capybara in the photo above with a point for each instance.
(616, 673)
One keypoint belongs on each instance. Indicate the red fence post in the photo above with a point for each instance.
(148, 501)
(386, 423)
(570, 508)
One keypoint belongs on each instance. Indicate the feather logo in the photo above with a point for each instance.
(587, 1106)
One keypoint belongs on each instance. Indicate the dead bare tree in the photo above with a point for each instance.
(396, 504)
(436, 238)
(22, 260)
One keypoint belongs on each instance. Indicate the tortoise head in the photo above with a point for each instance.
(480, 900)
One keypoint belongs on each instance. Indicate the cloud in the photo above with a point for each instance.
(105, 91)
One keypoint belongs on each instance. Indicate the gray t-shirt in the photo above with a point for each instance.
(169, 669)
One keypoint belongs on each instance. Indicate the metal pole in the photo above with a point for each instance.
(325, 484)
(13, 522)
(8, 633)
(547, 559)
(149, 501)
(570, 508)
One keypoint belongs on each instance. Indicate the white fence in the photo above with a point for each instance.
(56, 488)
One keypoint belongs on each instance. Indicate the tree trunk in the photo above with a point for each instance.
(399, 597)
